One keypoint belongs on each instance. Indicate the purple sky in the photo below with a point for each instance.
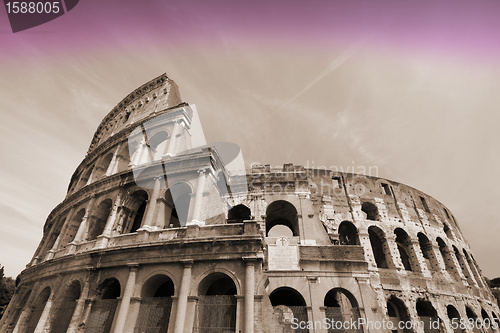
(409, 87)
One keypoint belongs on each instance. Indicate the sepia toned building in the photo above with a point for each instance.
(160, 232)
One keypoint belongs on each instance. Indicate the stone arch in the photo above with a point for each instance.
(156, 304)
(102, 312)
(380, 247)
(341, 305)
(177, 203)
(472, 267)
(348, 234)
(37, 310)
(371, 211)
(123, 158)
(486, 323)
(471, 315)
(238, 214)
(136, 204)
(428, 252)
(428, 315)
(19, 308)
(158, 144)
(398, 312)
(65, 307)
(282, 213)
(454, 318)
(217, 303)
(102, 166)
(406, 253)
(99, 218)
(447, 231)
(447, 258)
(85, 177)
(463, 265)
(288, 303)
(72, 228)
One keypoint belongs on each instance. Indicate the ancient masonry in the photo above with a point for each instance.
(157, 234)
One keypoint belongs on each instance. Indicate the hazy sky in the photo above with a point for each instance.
(409, 87)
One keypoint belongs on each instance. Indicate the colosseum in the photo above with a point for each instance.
(161, 232)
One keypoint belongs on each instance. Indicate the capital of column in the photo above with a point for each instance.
(133, 266)
(187, 263)
(201, 170)
(250, 261)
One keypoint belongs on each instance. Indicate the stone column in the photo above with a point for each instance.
(419, 260)
(391, 253)
(40, 327)
(136, 159)
(51, 252)
(180, 313)
(125, 301)
(26, 310)
(102, 239)
(200, 186)
(113, 165)
(170, 148)
(80, 306)
(150, 214)
(249, 293)
(82, 229)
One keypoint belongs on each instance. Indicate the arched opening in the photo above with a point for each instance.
(348, 234)
(463, 265)
(487, 323)
(473, 268)
(238, 214)
(103, 309)
(370, 210)
(177, 201)
(65, 308)
(288, 303)
(282, 213)
(447, 258)
(99, 218)
(398, 313)
(123, 159)
(137, 207)
(217, 304)
(429, 317)
(156, 305)
(447, 231)
(19, 308)
(72, 227)
(158, 145)
(342, 306)
(102, 166)
(85, 178)
(454, 319)
(36, 310)
(403, 242)
(472, 318)
(379, 246)
(427, 252)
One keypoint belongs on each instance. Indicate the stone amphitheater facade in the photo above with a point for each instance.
(158, 234)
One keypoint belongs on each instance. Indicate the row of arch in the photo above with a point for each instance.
(372, 214)
(407, 252)
(87, 223)
(216, 307)
(128, 152)
(428, 316)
